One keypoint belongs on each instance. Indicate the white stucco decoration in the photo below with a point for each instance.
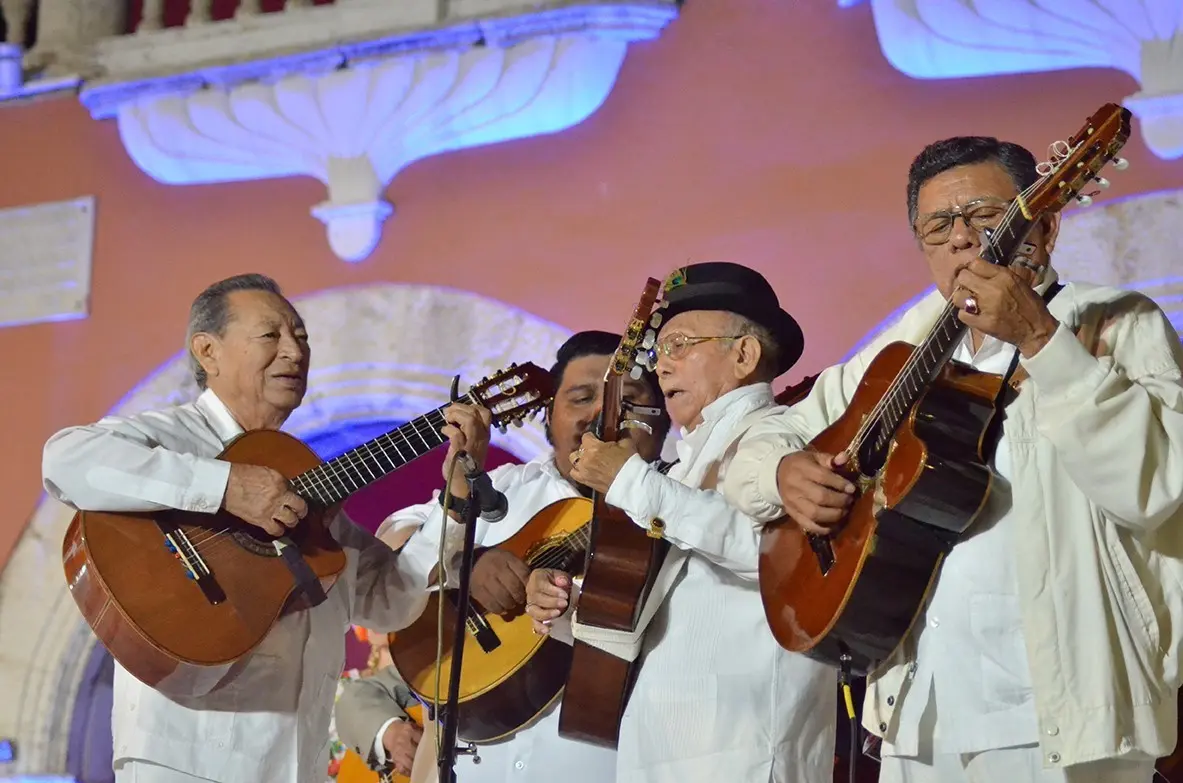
(381, 351)
(943, 39)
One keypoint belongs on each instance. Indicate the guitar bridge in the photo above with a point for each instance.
(185, 552)
(478, 626)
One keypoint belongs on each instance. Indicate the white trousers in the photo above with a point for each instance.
(1009, 765)
(136, 771)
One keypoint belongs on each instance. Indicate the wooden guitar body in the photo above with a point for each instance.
(161, 625)
(858, 592)
(593, 703)
(510, 674)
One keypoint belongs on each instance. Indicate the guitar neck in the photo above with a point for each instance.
(939, 345)
(332, 481)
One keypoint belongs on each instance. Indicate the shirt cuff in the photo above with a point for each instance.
(628, 492)
(379, 748)
(208, 488)
(767, 482)
(1063, 364)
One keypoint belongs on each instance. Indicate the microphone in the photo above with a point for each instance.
(493, 502)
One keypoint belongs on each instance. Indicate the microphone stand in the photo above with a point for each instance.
(451, 708)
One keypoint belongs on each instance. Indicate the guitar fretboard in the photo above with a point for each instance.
(938, 346)
(338, 478)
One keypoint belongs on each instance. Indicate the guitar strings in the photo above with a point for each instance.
(318, 479)
(1058, 153)
(858, 441)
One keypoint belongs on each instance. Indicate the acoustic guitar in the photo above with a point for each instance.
(509, 674)
(173, 593)
(621, 564)
(914, 434)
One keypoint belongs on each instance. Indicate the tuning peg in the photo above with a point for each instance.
(1121, 164)
(636, 372)
(1102, 183)
(650, 339)
(1084, 201)
(655, 320)
(501, 428)
(518, 423)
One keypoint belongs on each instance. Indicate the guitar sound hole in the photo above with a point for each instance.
(257, 543)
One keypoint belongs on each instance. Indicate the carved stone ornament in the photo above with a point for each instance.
(355, 115)
(948, 39)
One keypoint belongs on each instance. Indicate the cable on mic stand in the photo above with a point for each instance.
(448, 750)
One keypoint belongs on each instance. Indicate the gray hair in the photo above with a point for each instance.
(210, 312)
(769, 348)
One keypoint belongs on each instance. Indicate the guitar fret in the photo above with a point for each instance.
(335, 479)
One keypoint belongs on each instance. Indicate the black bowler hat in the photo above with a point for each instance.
(721, 285)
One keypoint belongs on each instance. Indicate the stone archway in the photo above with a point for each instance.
(379, 351)
(1133, 243)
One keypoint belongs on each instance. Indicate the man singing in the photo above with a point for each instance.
(716, 699)
(268, 720)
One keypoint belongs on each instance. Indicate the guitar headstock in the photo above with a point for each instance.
(1078, 162)
(514, 393)
(632, 355)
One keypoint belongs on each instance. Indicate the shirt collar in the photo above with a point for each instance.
(752, 396)
(218, 416)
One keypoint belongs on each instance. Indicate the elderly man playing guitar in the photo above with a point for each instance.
(369, 716)
(715, 699)
(1048, 648)
(268, 719)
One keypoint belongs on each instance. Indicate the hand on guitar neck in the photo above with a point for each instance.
(467, 430)
(498, 577)
(262, 497)
(815, 494)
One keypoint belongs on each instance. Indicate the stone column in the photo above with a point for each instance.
(16, 18)
(67, 31)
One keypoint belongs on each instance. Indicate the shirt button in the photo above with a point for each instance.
(890, 701)
(519, 765)
(934, 622)
(883, 727)
(1053, 731)
(1053, 758)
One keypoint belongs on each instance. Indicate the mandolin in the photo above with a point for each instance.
(914, 434)
(509, 674)
(172, 594)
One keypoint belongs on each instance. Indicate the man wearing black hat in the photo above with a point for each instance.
(370, 718)
(716, 698)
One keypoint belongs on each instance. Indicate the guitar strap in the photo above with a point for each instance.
(306, 580)
(1004, 396)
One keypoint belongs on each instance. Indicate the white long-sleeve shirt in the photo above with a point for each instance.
(535, 754)
(716, 698)
(971, 667)
(1096, 443)
(270, 721)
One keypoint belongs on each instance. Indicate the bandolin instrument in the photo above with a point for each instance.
(914, 434)
(173, 593)
(621, 564)
(509, 674)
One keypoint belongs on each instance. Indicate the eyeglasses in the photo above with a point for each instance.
(935, 228)
(677, 344)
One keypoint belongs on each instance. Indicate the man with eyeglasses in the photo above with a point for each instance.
(715, 699)
(1049, 647)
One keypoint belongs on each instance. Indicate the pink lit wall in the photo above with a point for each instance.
(765, 131)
